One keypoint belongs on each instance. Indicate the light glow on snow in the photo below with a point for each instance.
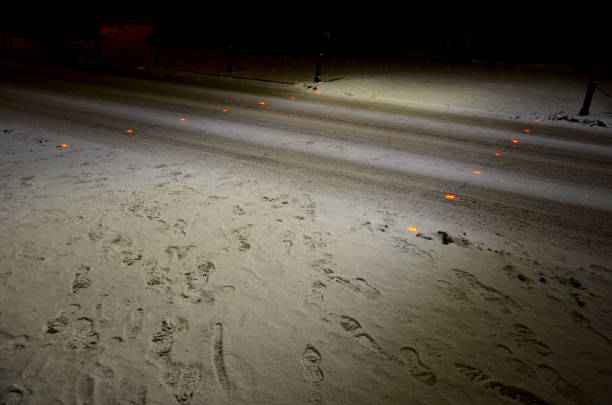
(413, 229)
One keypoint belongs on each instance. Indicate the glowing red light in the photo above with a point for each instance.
(497, 154)
(64, 145)
(129, 131)
(226, 110)
(526, 131)
(476, 171)
(261, 103)
(291, 98)
(514, 140)
(450, 196)
(182, 119)
(538, 121)
(413, 229)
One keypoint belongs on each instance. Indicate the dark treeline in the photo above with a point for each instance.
(522, 31)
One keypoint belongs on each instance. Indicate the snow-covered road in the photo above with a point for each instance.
(551, 164)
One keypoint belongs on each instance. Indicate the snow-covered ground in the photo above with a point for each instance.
(268, 254)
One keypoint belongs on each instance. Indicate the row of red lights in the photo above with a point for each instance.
(496, 154)
(131, 131)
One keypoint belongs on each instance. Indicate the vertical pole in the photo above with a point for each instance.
(324, 36)
(588, 97)
(318, 64)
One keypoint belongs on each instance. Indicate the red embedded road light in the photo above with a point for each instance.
(514, 140)
(450, 196)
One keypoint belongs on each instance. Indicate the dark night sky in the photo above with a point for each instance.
(521, 30)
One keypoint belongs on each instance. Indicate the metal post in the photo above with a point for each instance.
(230, 59)
(319, 61)
(588, 97)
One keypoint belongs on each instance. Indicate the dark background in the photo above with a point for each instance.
(521, 31)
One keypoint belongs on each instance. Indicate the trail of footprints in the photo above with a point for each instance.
(327, 268)
(94, 385)
(504, 302)
(181, 380)
(307, 206)
(546, 373)
(409, 357)
(82, 337)
(195, 275)
(524, 338)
